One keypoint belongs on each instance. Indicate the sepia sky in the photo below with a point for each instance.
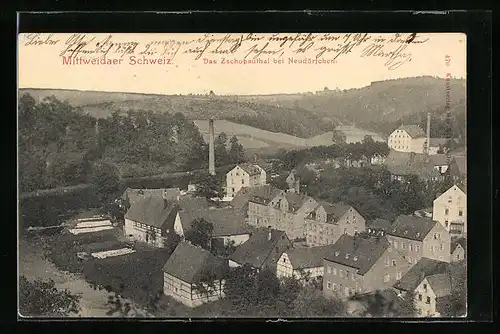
(41, 66)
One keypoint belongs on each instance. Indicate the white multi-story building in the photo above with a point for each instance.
(244, 175)
(450, 209)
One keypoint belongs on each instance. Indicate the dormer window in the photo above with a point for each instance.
(355, 258)
(418, 234)
(337, 253)
(347, 256)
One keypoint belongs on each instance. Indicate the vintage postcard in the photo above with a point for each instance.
(286, 175)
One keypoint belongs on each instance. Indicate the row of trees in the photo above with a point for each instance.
(367, 148)
(371, 190)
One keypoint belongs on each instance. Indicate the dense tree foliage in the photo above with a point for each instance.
(200, 233)
(106, 180)
(260, 293)
(42, 298)
(388, 304)
(208, 186)
(366, 149)
(58, 143)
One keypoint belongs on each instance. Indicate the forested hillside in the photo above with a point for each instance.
(376, 107)
(60, 146)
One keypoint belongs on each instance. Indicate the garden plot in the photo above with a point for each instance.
(112, 253)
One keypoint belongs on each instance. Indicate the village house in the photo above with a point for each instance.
(228, 227)
(131, 195)
(379, 224)
(431, 283)
(402, 165)
(439, 162)
(450, 209)
(416, 237)
(458, 169)
(262, 250)
(407, 138)
(186, 271)
(150, 219)
(282, 211)
(327, 222)
(147, 220)
(362, 264)
(411, 138)
(293, 182)
(244, 175)
(303, 263)
(458, 250)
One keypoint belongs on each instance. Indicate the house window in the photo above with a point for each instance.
(353, 277)
(398, 275)
(460, 213)
(433, 248)
(417, 248)
(411, 247)
(419, 311)
(233, 190)
(446, 211)
(341, 273)
(441, 247)
(242, 181)
(284, 260)
(403, 245)
(425, 287)
(387, 261)
(277, 250)
(449, 199)
(428, 301)
(334, 271)
(328, 285)
(387, 278)
(393, 263)
(334, 286)
(420, 296)
(328, 269)
(395, 244)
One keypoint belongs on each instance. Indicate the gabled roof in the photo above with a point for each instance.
(133, 195)
(152, 211)
(360, 252)
(458, 242)
(440, 284)
(251, 169)
(188, 262)
(264, 194)
(436, 142)
(308, 257)
(295, 201)
(224, 221)
(462, 187)
(411, 227)
(423, 268)
(414, 131)
(438, 160)
(334, 211)
(257, 248)
(404, 163)
(461, 163)
(380, 224)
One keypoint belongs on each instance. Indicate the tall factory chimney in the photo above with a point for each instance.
(428, 145)
(211, 149)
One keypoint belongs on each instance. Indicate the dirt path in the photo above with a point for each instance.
(93, 302)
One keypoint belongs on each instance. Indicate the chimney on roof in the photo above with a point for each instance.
(211, 147)
(269, 233)
(428, 144)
